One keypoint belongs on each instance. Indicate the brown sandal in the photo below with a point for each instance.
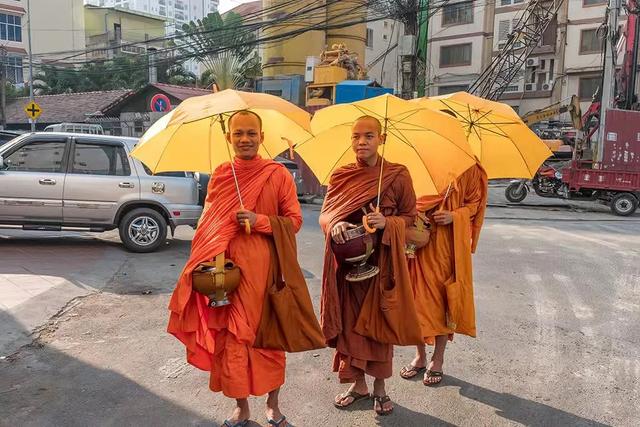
(410, 371)
(381, 400)
(352, 394)
(437, 375)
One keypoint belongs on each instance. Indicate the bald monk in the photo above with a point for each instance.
(442, 273)
(345, 303)
(220, 339)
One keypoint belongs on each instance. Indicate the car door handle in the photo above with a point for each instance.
(126, 185)
(47, 181)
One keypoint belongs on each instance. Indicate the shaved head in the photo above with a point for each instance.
(244, 113)
(372, 120)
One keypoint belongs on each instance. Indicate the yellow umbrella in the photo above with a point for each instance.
(192, 136)
(430, 144)
(504, 145)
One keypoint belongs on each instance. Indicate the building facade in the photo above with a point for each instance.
(13, 39)
(465, 35)
(176, 12)
(381, 53)
(67, 32)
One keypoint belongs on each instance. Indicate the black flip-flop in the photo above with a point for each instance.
(276, 423)
(352, 394)
(241, 423)
(432, 374)
(381, 400)
(408, 372)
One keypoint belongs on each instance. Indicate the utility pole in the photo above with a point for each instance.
(408, 45)
(33, 121)
(608, 86)
(3, 87)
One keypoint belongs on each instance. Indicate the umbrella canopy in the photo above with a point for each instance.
(430, 144)
(504, 145)
(192, 136)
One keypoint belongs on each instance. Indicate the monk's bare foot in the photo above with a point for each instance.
(240, 413)
(433, 375)
(382, 404)
(274, 416)
(357, 391)
(417, 365)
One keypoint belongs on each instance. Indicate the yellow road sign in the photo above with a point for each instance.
(33, 110)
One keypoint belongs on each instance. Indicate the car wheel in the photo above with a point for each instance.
(143, 230)
(515, 193)
(624, 204)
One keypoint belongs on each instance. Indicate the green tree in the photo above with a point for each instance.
(213, 39)
(123, 72)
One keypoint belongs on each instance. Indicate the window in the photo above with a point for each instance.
(13, 69)
(590, 41)
(594, 2)
(96, 159)
(587, 86)
(504, 27)
(41, 156)
(510, 2)
(445, 90)
(458, 13)
(455, 55)
(10, 28)
(369, 41)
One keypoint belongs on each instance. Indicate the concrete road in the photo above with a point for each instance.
(558, 303)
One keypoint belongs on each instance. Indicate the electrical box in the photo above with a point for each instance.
(407, 45)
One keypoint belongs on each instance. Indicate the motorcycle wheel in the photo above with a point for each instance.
(515, 194)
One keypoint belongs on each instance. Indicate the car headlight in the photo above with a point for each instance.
(558, 175)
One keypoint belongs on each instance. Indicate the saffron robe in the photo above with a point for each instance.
(220, 340)
(351, 188)
(442, 273)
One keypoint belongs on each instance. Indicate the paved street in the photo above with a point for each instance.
(558, 303)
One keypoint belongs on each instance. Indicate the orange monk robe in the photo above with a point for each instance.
(221, 339)
(351, 188)
(441, 272)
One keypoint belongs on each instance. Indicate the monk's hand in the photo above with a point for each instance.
(243, 214)
(339, 231)
(376, 220)
(443, 217)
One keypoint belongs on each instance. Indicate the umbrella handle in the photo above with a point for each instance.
(366, 225)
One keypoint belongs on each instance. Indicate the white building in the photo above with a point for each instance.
(381, 53)
(177, 12)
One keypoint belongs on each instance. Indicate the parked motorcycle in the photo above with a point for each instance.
(547, 182)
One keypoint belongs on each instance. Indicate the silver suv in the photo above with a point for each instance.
(61, 181)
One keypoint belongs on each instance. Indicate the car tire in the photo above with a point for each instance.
(624, 204)
(513, 195)
(143, 230)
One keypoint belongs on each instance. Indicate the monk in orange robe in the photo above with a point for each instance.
(352, 188)
(442, 273)
(220, 340)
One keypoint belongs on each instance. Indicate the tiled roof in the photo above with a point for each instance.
(247, 8)
(181, 92)
(65, 107)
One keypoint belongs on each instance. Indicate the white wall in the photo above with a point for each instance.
(385, 34)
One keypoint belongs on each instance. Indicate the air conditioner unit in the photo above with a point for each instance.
(532, 62)
(529, 87)
(548, 85)
(312, 61)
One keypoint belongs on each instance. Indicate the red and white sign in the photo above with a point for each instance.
(160, 103)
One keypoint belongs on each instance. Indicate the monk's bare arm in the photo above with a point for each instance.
(288, 205)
